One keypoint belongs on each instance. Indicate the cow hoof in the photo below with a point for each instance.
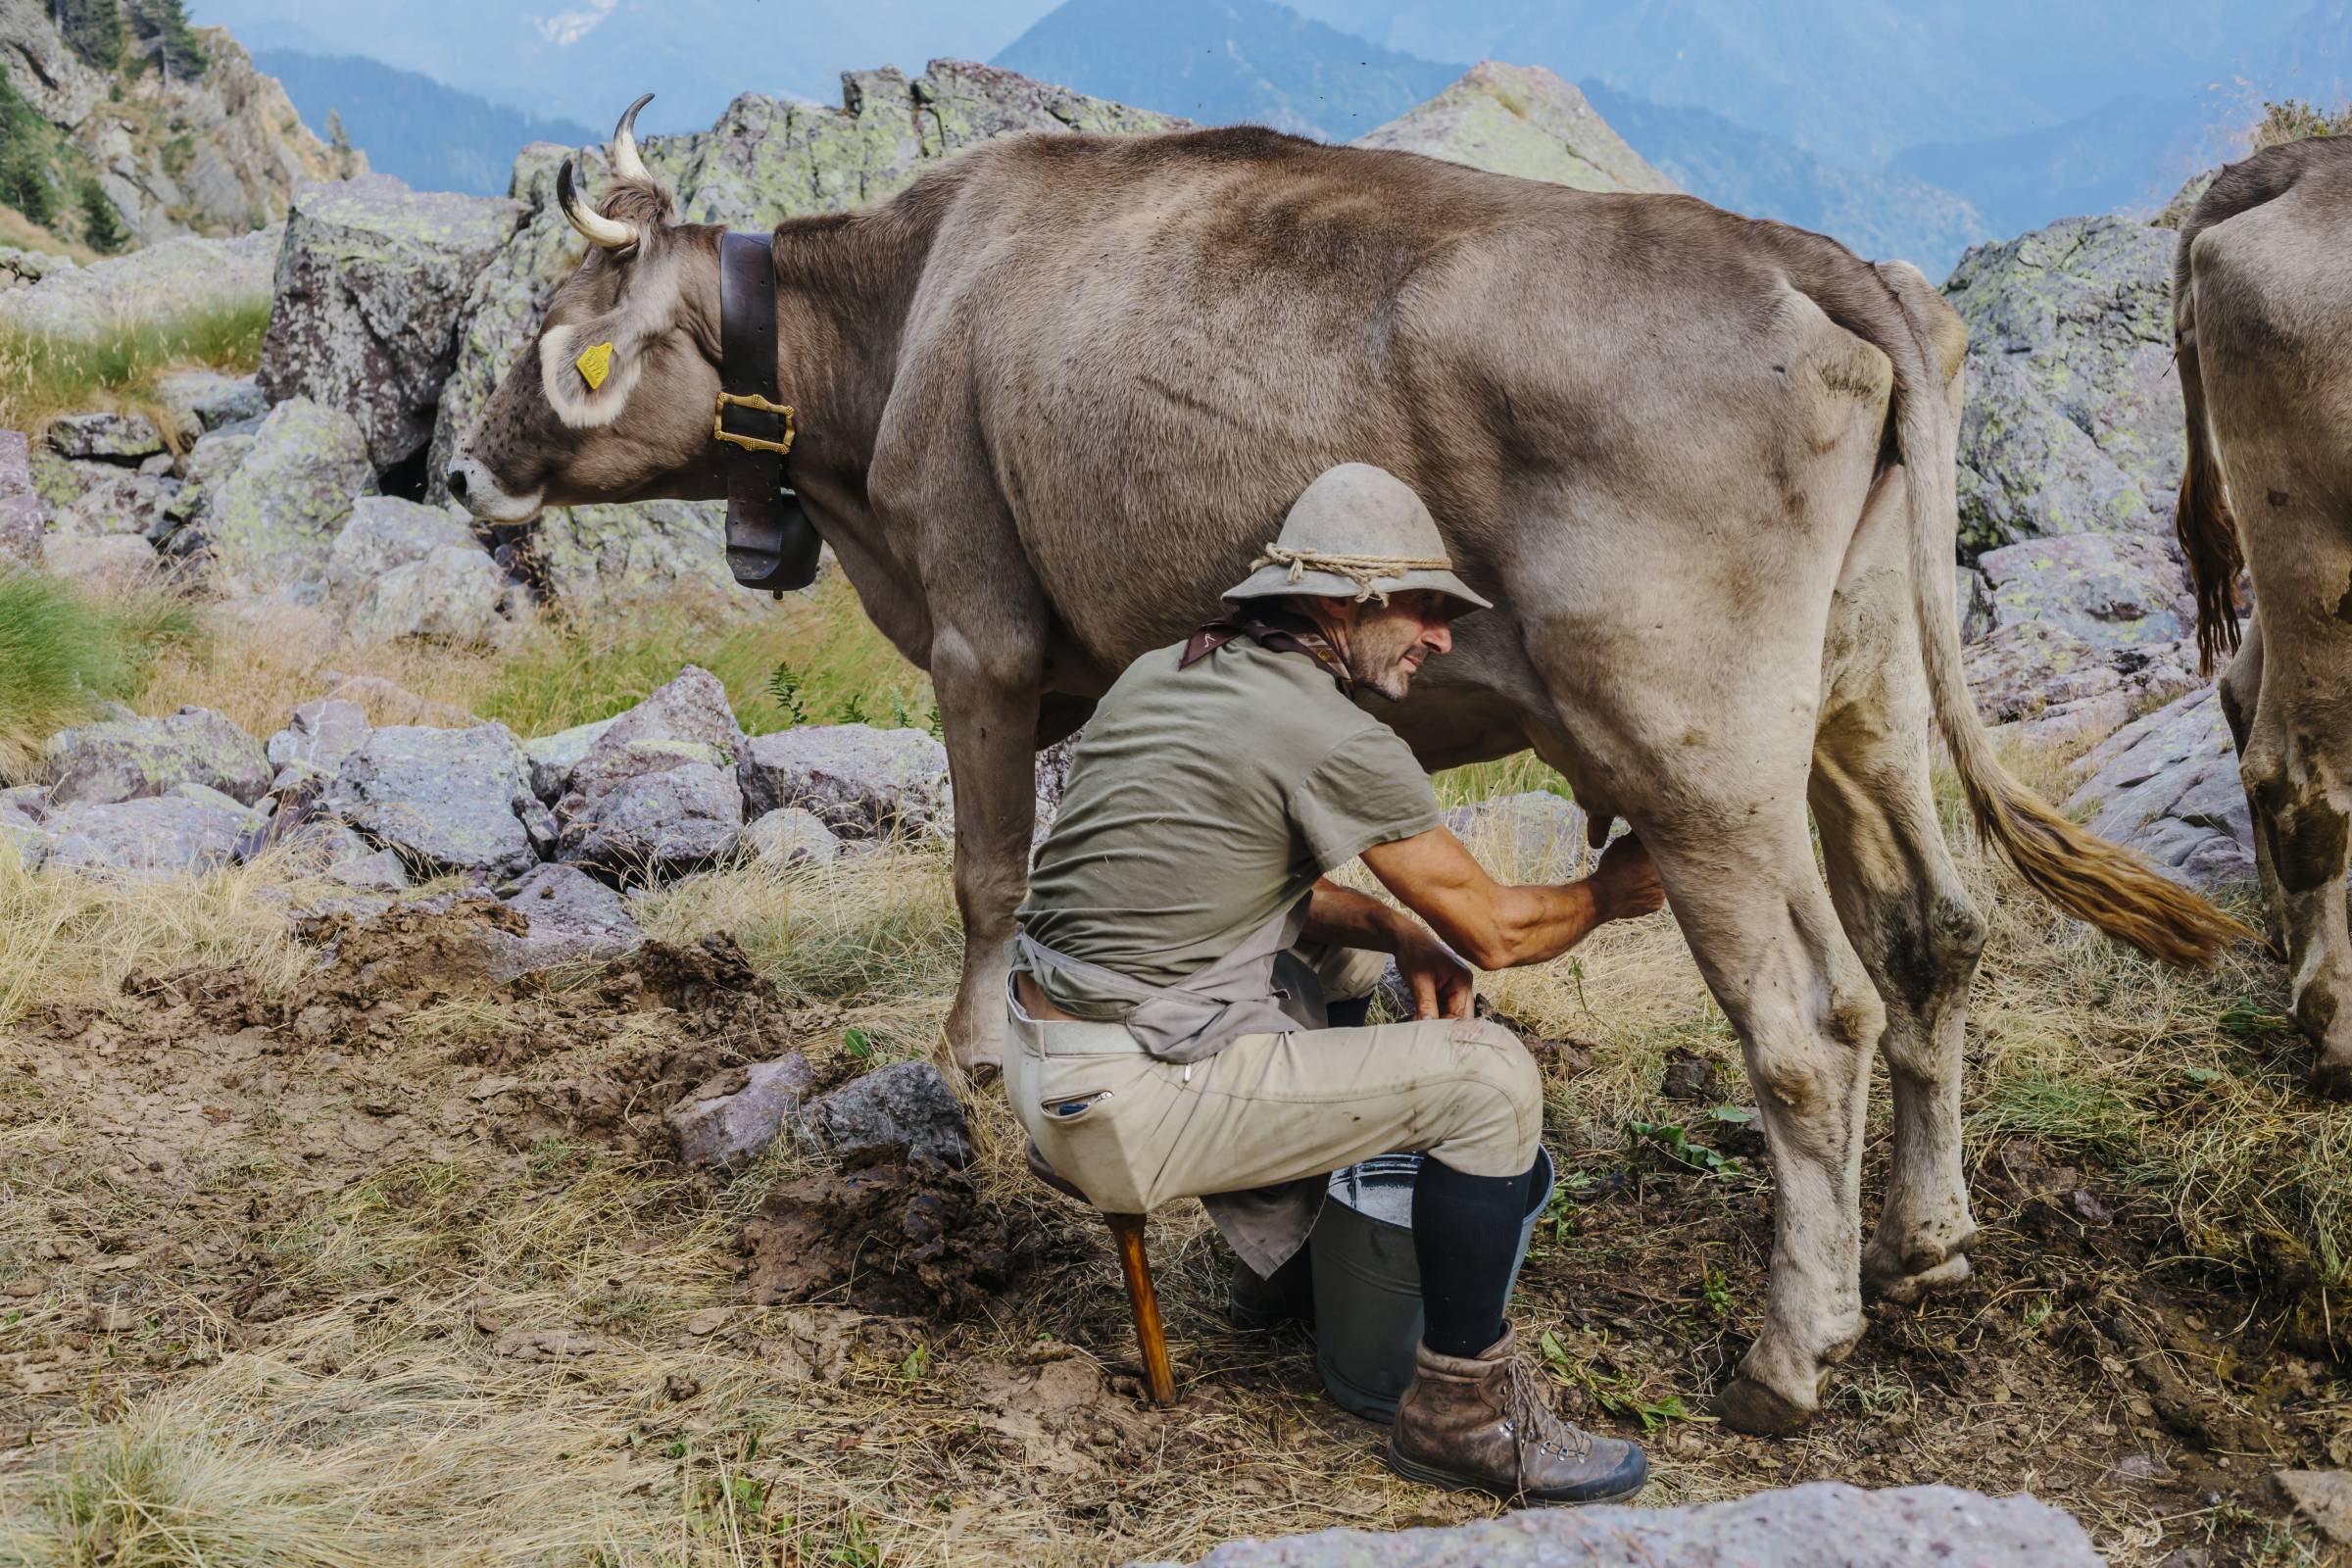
(1906, 1288)
(1746, 1405)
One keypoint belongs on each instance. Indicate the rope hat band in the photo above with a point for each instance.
(1365, 572)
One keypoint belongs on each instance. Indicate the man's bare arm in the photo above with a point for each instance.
(1343, 918)
(1497, 926)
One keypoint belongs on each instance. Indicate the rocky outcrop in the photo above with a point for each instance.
(2109, 589)
(269, 527)
(369, 283)
(174, 277)
(2038, 682)
(2072, 423)
(1822, 1524)
(2167, 785)
(1523, 121)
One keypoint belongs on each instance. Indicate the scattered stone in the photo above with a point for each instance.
(2107, 589)
(319, 736)
(572, 918)
(685, 723)
(1532, 837)
(790, 835)
(903, 1111)
(157, 836)
(368, 290)
(739, 1115)
(203, 400)
(119, 437)
(109, 500)
(271, 525)
(99, 562)
(131, 759)
(860, 781)
(452, 595)
(1691, 1076)
(544, 1345)
(2324, 1497)
(1822, 1524)
(384, 533)
(23, 515)
(554, 756)
(2167, 785)
(448, 799)
(682, 818)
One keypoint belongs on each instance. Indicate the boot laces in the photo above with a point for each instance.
(1528, 1416)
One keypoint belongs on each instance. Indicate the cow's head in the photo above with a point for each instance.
(613, 400)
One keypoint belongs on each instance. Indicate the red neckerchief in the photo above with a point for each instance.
(1283, 631)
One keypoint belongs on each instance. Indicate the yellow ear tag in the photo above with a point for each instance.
(594, 365)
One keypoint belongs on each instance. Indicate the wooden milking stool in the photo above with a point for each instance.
(1127, 1232)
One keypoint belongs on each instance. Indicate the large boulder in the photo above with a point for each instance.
(680, 818)
(766, 159)
(454, 595)
(903, 1111)
(860, 781)
(384, 533)
(2108, 589)
(687, 721)
(2038, 682)
(23, 515)
(2072, 423)
(128, 758)
(1822, 1524)
(2167, 785)
(370, 284)
(448, 799)
(269, 527)
(1523, 121)
(189, 829)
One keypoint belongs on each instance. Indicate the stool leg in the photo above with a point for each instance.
(1158, 1375)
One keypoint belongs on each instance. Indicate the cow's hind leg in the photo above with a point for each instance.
(1918, 934)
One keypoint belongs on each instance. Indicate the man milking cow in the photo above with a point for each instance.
(1190, 988)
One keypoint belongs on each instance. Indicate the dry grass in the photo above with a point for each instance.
(47, 376)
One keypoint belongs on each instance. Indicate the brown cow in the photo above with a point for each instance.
(1059, 392)
(2261, 314)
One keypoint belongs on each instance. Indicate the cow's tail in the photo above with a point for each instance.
(2092, 879)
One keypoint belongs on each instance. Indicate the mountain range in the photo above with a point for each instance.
(434, 137)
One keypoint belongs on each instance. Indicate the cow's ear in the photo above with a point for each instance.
(591, 367)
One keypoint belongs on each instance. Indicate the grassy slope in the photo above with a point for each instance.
(42, 377)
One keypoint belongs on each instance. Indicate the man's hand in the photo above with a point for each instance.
(1441, 983)
(1625, 885)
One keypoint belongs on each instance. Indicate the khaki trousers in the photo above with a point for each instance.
(1133, 1132)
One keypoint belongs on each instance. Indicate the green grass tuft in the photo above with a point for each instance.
(62, 654)
(42, 376)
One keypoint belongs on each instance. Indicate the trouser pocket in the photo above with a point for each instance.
(1095, 1119)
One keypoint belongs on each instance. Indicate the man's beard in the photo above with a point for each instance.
(1376, 658)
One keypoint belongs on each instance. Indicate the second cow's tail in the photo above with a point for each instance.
(2092, 879)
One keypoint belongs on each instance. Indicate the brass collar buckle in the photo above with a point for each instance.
(751, 443)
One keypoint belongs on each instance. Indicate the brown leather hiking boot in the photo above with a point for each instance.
(1482, 1425)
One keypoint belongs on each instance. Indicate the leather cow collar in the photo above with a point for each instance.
(771, 542)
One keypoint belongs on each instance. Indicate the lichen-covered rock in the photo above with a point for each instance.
(685, 723)
(681, 819)
(2105, 588)
(1532, 837)
(738, 1115)
(384, 533)
(607, 555)
(766, 159)
(23, 515)
(448, 799)
(2167, 785)
(119, 437)
(110, 500)
(319, 737)
(2072, 423)
(905, 1111)
(1822, 1524)
(789, 836)
(174, 277)
(1523, 121)
(369, 287)
(203, 470)
(2039, 683)
(860, 781)
(107, 561)
(554, 756)
(452, 595)
(155, 836)
(269, 527)
(203, 400)
(131, 759)
(574, 918)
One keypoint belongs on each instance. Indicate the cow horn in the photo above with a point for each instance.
(609, 233)
(626, 160)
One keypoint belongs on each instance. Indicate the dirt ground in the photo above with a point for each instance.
(393, 1267)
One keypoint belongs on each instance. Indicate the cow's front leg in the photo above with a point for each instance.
(988, 703)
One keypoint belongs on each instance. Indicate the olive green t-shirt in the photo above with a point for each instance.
(1205, 801)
